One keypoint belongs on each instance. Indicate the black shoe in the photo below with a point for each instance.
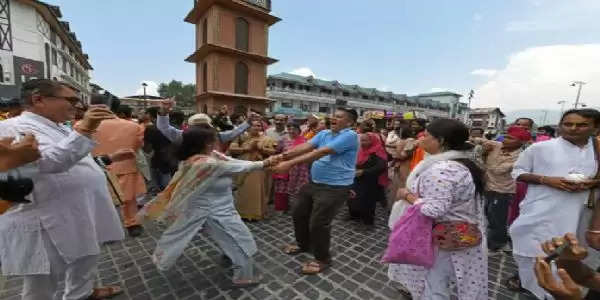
(135, 231)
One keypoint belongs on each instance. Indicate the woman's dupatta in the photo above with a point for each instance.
(194, 176)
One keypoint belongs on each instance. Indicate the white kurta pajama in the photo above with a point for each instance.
(70, 216)
(547, 212)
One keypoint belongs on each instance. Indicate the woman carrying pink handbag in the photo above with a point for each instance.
(446, 188)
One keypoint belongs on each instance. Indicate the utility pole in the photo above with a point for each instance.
(144, 85)
(468, 114)
(580, 84)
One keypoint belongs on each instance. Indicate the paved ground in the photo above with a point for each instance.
(356, 274)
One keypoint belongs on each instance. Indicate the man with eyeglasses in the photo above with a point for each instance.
(58, 235)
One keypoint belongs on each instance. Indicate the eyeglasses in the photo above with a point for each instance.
(73, 100)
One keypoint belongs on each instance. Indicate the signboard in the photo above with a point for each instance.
(27, 69)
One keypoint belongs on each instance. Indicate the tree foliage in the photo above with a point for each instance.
(185, 94)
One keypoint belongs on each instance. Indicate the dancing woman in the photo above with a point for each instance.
(200, 195)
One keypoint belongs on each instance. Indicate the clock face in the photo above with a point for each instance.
(261, 3)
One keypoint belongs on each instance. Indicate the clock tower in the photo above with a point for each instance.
(231, 58)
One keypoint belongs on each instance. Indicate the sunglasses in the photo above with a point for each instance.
(73, 100)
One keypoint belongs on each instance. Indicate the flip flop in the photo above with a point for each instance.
(106, 292)
(292, 249)
(314, 267)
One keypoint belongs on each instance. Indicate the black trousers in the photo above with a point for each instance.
(497, 205)
(363, 206)
(316, 206)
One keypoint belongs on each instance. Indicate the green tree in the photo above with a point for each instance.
(185, 94)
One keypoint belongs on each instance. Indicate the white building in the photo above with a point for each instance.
(35, 43)
(293, 93)
(489, 119)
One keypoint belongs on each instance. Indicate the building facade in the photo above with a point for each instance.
(491, 120)
(294, 93)
(231, 58)
(36, 43)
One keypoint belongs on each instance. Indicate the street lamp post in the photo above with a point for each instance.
(580, 84)
(144, 85)
(562, 106)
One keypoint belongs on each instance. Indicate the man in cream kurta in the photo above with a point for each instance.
(554, 202)
(58, 236)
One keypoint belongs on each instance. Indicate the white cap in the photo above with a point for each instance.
(198, 119)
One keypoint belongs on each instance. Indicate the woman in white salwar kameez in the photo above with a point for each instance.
(200, 195)
(448, 185)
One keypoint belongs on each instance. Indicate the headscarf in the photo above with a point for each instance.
(519, 134)
(377, 149)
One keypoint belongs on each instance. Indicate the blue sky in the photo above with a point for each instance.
(514, 53)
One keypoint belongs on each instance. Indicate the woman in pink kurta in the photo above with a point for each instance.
(448, 185)
(288, 185)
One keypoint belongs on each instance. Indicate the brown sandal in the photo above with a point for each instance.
(106, 292)
(314, 267)
(292, 249)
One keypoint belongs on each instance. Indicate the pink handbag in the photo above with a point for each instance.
(411, 240)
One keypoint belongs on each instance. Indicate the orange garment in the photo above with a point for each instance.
(309, 134)
(418, 155)
(112, 136)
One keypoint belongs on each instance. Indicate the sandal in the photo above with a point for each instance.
(292, 249)
(245, 283)
(514, 284)
(314, 267)
(105, 292)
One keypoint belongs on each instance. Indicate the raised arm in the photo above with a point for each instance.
(171, 133)
(230, 135)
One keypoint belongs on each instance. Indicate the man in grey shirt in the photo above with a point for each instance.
(278, 131)
(175, 135)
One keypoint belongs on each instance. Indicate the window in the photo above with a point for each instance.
(324, 109)
(241, 34)
(72, 73)
(54, 57)
(205, 32)
(1, 74)
(346, 94)
(205, 77)
(287, 104)
(53, 37)
(326, 91)
(305, 107)
(241, 78)
(64, 63)
(365, 97)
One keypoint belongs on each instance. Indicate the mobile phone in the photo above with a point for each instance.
(557, 252)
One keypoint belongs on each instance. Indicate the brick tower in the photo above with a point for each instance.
(232, 38)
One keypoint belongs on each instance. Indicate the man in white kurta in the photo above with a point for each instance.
(554, 202)
(58, 236)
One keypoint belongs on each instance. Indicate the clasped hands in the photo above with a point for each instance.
(278, 164)
(564, 184)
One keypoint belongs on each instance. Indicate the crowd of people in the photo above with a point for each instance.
(65, 167)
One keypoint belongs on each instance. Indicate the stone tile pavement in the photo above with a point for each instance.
(201, 274)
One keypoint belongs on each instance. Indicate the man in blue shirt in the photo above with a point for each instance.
(333, 155)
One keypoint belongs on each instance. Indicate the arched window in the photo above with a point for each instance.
(241, 78)
(241, 34)
(204, 77)
(205, 32)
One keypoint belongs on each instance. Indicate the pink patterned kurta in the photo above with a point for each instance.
(448, 194)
